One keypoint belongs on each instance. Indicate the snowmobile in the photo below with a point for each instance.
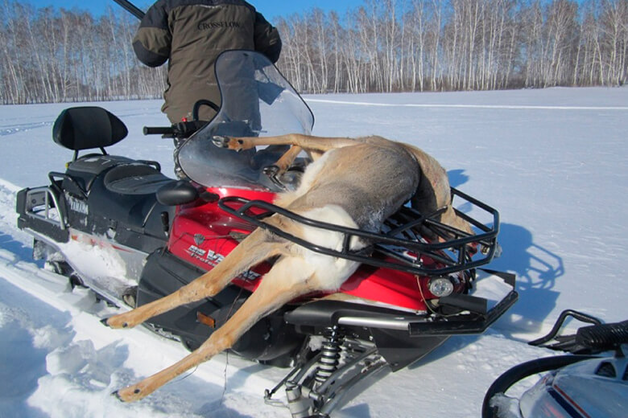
(587, 382)
(130, 233)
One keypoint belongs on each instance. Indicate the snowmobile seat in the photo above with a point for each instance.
(85, 128)
(88, 127)
(135, 179)
(83, 171)
(124, 199)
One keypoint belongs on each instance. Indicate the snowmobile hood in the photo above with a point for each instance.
(595, 388)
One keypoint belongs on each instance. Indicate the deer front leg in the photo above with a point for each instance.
(235, 144)
(306, 142)
(283, 164)
(284, 282)
(252, 250)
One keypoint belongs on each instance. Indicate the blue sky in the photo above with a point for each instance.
(269, 8)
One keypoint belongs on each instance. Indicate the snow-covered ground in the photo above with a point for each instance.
(554, 163)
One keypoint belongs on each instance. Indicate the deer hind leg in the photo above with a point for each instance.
(283, 163)
(314, 146)
(450, 218)
(434, 190)
(252, 250)
(289, 278)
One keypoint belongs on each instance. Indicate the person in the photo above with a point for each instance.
(190, 34)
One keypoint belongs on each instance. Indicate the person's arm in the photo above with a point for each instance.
(267, 40)
(153, 38)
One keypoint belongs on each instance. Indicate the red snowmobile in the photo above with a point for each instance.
(153, 234)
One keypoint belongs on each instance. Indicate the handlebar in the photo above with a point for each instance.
(185, 129)
(180, 130)
(589, 339)
(603, 337)
(159, 130)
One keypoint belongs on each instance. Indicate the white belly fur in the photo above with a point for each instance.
(331, 272)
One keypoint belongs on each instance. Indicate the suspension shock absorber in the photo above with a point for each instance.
(330, 355)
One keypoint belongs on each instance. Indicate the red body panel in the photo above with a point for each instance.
(201, 235)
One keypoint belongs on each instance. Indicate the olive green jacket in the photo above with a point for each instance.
(190, 34)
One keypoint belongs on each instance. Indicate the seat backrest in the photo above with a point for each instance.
(88, 127)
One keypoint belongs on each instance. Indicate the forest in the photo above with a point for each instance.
(58, 55)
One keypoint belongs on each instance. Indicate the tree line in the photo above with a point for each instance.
(436, 45)
(51, 55)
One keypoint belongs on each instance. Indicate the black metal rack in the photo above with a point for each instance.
(400, 246)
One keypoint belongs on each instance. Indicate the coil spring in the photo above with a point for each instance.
(330, 355)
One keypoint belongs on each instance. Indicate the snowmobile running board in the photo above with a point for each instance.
(407, 222)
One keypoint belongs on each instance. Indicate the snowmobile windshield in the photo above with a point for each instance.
(256, 101)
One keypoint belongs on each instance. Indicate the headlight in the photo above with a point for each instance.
(441, 286)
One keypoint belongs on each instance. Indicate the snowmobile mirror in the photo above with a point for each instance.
(177, 193)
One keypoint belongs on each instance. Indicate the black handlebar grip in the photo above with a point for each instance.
(604, 337)
(157, 130)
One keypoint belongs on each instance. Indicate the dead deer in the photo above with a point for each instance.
(355, 183)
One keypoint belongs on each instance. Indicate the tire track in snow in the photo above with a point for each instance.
(24, 127)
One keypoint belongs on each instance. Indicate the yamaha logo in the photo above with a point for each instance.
(199, 239)
(77, 205)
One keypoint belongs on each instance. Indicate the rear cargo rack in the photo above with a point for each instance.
(401, 245)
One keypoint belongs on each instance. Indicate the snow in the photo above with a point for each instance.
(553, 162)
